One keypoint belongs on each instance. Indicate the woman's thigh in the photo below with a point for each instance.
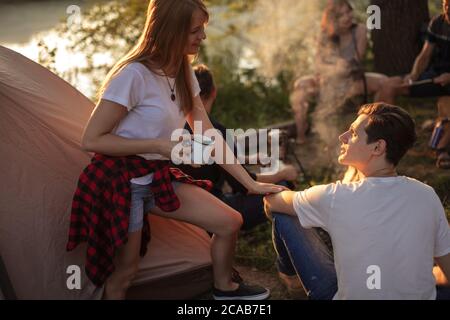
(202, 209)
(374, 83)
(304, 88)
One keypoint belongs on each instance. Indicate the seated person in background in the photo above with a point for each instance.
(341, 47)
(386, 230)
(433, 64)
(440, 141)
(250, 206)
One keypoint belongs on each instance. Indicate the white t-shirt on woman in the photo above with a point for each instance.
(151, 112)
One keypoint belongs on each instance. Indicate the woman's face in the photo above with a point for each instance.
(344, 18)
(196, 32)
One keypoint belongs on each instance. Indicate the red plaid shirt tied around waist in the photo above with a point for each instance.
(101, 206)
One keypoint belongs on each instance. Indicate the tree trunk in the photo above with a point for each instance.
(399, 41)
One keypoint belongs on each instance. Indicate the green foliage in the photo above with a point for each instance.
(246, 99)
(435, 7)
(255, 248)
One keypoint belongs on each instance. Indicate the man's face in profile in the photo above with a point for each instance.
(355, 151)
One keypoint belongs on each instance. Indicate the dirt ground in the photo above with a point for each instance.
(268, 280)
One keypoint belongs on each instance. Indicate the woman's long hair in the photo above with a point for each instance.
(329, 23)
(162, 44)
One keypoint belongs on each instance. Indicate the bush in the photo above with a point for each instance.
(246, 99)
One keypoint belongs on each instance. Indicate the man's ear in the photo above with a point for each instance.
(379, 147)
(214, 93)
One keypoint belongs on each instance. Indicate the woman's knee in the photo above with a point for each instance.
(229, 225)
(305, 83)
(391, 84)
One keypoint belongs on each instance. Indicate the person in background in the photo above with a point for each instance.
(341, 48)
(430, 75)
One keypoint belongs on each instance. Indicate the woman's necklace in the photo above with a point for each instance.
(172, 96)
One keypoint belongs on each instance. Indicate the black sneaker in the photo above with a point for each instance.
(243, 292)
(235, 276)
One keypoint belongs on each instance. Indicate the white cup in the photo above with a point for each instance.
(201, 149)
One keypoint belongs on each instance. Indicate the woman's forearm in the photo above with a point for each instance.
(268, 178)
(114, 145)
(223, 153)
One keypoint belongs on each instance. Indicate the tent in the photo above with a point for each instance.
(42, 118)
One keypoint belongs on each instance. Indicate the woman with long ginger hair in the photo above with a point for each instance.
(148, 94)
(341, 47)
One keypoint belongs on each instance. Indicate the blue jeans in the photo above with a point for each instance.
(304, 252)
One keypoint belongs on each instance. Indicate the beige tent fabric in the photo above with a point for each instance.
(41, 122)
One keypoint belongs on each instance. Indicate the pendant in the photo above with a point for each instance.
(172, 97)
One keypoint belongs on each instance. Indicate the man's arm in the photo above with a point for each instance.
(444, 263)
(422, 61)
(280, 202)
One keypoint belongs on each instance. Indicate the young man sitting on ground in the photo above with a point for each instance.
(386, 230)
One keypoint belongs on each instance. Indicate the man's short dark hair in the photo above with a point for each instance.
(205, 80)
(391, 124)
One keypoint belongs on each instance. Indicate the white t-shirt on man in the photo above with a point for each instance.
(151, 112)
(394, 225)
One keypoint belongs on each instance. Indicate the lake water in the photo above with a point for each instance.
(20, 20)
(22, 23)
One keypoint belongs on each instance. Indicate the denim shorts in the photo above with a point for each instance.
(142, 201)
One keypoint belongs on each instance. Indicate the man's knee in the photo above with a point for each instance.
(282, 221)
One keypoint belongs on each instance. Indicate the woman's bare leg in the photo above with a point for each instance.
(304, 89)
(202, 209)
(126, 263)
(385, 89)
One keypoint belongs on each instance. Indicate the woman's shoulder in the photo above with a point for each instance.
(360, 28)
(139, 68)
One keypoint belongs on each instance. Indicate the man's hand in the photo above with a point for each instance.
(443, 79)
(410, 78)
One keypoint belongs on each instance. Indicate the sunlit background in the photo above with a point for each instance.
(28, 26)
(255, 48)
